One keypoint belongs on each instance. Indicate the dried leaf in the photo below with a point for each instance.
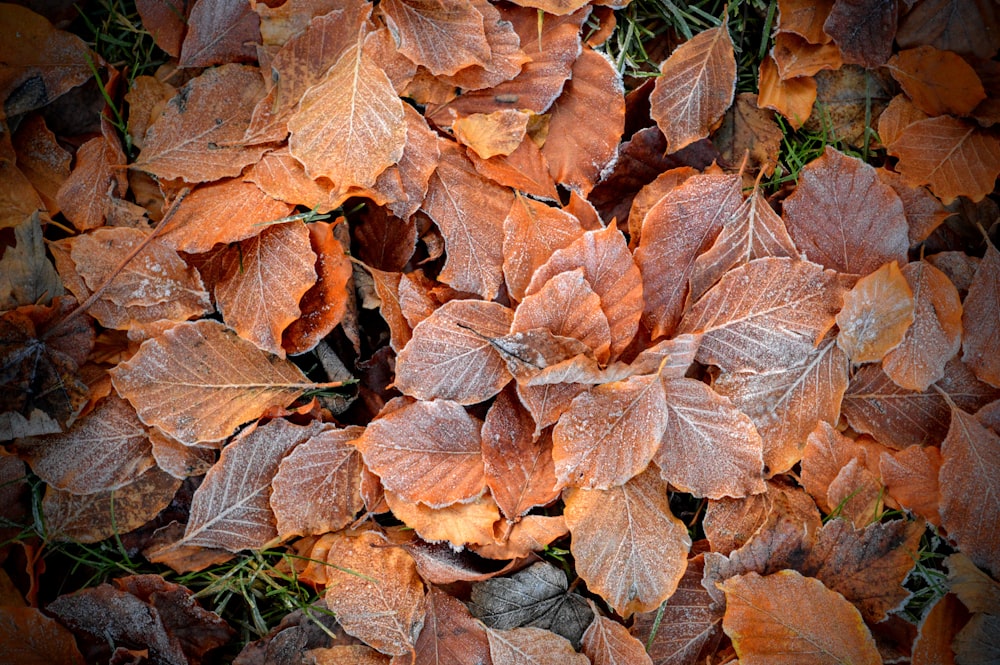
(980, 346)
(765, 620)
(730, 523)
(937, 630)
(911, 479)
(794, 56)
(491, 134)
(937, 82)
(748, 130)
(924, 212)
(792, 98)
(863, 30)
(31, 638)
(426, 451)
(532, 646)
(951, 25)
(97, 178)
(444, 39)
(607, 642)
(172, 377)
(805, 18)
(26, 275)
(459, 524)
(218, 33)
(450, 635)
(533, 231)
(696, 86)
(627, 545)
(876, 315)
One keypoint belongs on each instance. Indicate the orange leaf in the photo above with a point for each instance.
(317, 487)
(628, 546)
(843, 217)
(682, 225)
(349, 127)
(98, 176)
(924, 212)
(792, 98)
(525, 170)
(460, 524)
(450, 355)
(876, 315)
(444, 39)
(952, 156)
(533, 231)
(857, 494)
(450, 634)
(354, 654)
(897, 116)
(980, 343)
(375, 592)
(42, 160)
(970, 484)
(650, 194)
(764, 316)
(532, 534)
(911, 479)
(936, 334)
(555, 7)
(805, 18)
(794, 56)
(767, 623)
(730, 523)
(547, 402)
(198, 136)
(219, 33)
(261, 282)
(696, 86)
(578, 153)
(709, 447)
(31, 638)
(532, 646)
(426, 451)
(826, 452)
(490, 134)
(282, 177)
(173, 376)
(938, 82)
(468, 208)
(607, 642)
(937, 631)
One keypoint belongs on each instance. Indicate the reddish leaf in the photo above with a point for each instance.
(863, 30)
(911, 479)
(938, 82)
(532, 646)
(31, 638)
(924, 212)
(826, 452)
(607, 642)
(218, 33)
(876, 315)
(491, 134)
(450, 635)
(980, 344)
(97, 177)
(444, 39)
(533, 231)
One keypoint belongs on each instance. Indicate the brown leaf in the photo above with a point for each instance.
(627, 545)
(980, 346)
(444, 39)
(924, 212)
(766, 315)
(767, 623)
(282, 177)
(937, 631)
(450, 635)
(795, 56)
(219, 33)
(426, 451)
(911, 479)
(826, 452)
(952, 25)
(876, 315)
(649, 195)
(450, 355)
(519, 468)
(696, 86)
(730, 523)
(531, 646)
(98, 175)
(178, 460)
(970, 471)
(26, 275)
(792, 98)
(198, 136)
(675, 231)
(936, 333)
(522, 539)
(937, 82)
(748, 129)
(607, 642)
(709, 447)
(547, 402)
(414, 169)
(491, 134)
(533, 231)
(863, 29)
(524, 170)
(375, 592)
(843, 217)
(897, 116)
(172, 377)
(459, 524)
(468, 209)
(610, 433)
(31, 638)
(317, 487)
(577, 152)
(805, 18)
(953, 157)
(856, 494)
(42, 160)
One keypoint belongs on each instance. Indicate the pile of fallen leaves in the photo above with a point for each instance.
(544, 314)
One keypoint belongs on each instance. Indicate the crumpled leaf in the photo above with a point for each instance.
(27, 277)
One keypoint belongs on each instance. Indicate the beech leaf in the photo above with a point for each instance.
(980, 345)
(876, 315)
(442, 38)
(607, 642)
(532, 646)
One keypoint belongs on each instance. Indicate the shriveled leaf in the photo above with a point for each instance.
(843, 217)
(317, 487)
(442, 38)
(936, 334)
(532, 232)
(788, 618)
(696, 86)
(937, 82)
(450, 355)
(172, 378)
(980, 343)
(627, 545)
(709, 447)
(450, 636)
(426, 451)
(792, 98)
(876, 315)
(375, 592)
(607, 642)
(610, 433)
(766, 315)
(532, 646)
(31, 638)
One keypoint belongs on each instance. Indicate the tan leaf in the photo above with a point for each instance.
(281, 176)
(31, 638)
(607, 642)
(788, 618)
(261, 282)
(547, 402)
(532, 646)
(442, 38)
(198, 136)
(173, 376)
(970, 473)
(766, 315)
(911, 479)
(468, 209)
(610, 433)
(876, 315)
(844, 218)
(938, 82)
(974, 588)
(519, 468)
(610, 271)
(578, 153)
(530, 535)
(426, 451)
(533, 231)
(460, 524)
(730, 523)
(709, 447)
(792, 98)
(696, 86)
(230, 509)
(450, 635)
(375, 592)
(98, 176)
(805, 18)
(980, 343)
(936, 334)
(628, 546)
(682, 225)
(349, 127)
(354, 654)
(491, 134)
(450, 355)
(953, 157)
(317, 487)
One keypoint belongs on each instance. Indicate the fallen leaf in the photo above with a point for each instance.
(974, 588)
(826, 452)
(877, 313)
(627, 545)
(444, 39)
(31, 638)
(491, 134)
(792, 98)
(795, 56)
(980, 347)
(924, 212)
(857, 494)
(450, 636)
(649, 195)
(219, 33)
(696, 86)
(533, 231)
(937, 631)
(897, 116)
(748, 129)
(607, 642)
(951, 25)
(863, 30)
(805, 18)
(41, 159)
(27, 277)
(937, 82)
(911, 479)
(520, 540)
(532, 646)
(98, 176)
(459, 524)
(730, 523)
